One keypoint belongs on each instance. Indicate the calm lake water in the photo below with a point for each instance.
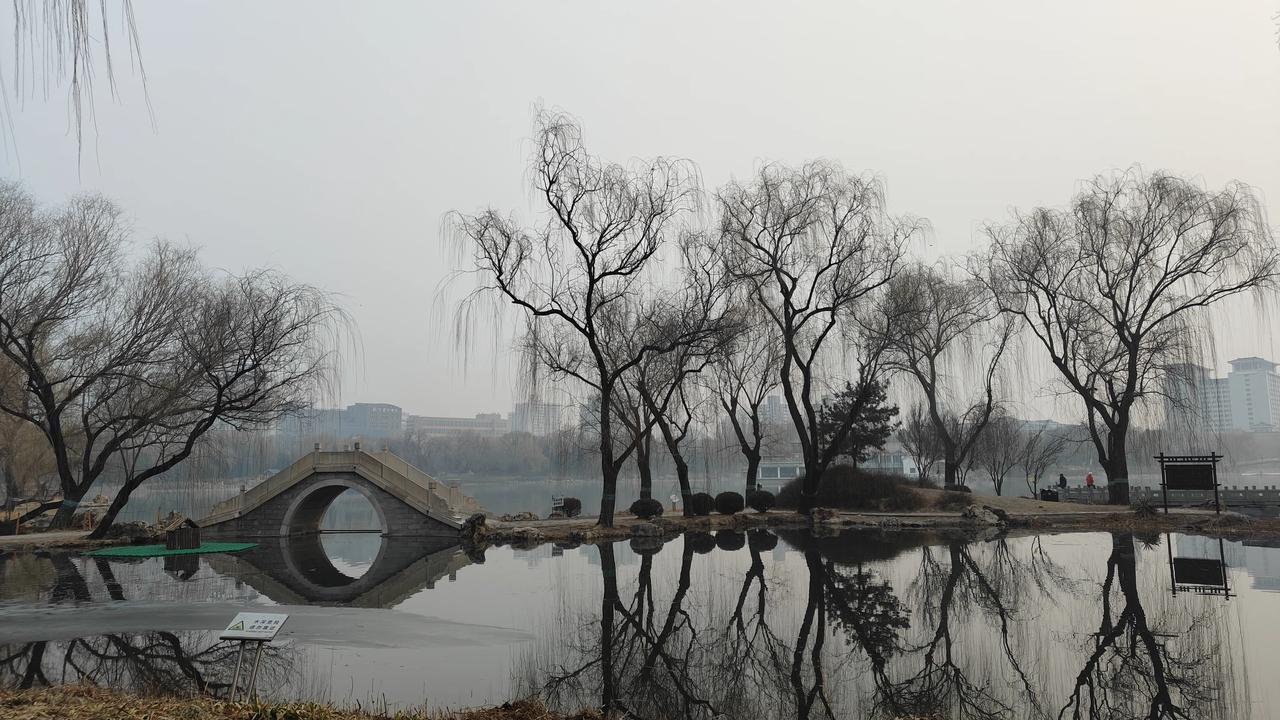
(788, 625)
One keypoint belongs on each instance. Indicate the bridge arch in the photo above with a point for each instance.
(293, 501)
(305, 512)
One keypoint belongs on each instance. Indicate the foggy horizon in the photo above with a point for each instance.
(331, 148)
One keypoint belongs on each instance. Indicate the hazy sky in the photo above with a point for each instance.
(328, 139)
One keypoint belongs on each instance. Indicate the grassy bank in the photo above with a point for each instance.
(74, 702)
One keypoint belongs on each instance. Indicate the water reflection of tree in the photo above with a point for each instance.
(1137, 670)
(158, 662)
(944, 682)
(639, 662)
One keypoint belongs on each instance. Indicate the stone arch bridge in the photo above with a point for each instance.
(407, 501)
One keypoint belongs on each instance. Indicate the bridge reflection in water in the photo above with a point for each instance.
(297, 570)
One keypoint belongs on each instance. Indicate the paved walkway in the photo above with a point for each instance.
(44, 538)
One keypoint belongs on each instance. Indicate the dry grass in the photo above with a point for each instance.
(75, 702)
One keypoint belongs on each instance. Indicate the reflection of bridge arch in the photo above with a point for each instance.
(294, 500)
(296, 570)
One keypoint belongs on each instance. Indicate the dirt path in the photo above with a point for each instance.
(44, 539)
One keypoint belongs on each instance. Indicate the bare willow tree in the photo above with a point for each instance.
(921, 441)
(1114, 287)
(938, 327)
(743, 377)
(59, 43)
(634, 415)
(811, 246)
(125, 367)
(578, 276)
(999, 449)
(692, 324)
(1040, 448)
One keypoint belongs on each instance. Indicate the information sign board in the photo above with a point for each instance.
(254, 626)
(1189, 477)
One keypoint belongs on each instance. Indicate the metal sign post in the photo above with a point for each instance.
(1189, 472)
(260, 628)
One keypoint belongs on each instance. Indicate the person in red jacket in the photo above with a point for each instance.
(1088, 480)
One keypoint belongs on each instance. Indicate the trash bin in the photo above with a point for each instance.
(1049, 495)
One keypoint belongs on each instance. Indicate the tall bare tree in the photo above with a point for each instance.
(744, 375)
(811, 245)
(1113, 287)
(578, 275)
(938, 327)
(124, 368)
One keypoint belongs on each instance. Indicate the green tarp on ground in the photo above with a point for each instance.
(136, 551)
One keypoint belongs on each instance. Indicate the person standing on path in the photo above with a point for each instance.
(1062, 481)
(1088, 481)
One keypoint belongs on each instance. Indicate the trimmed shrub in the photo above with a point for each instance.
(729, 503)
(761, 500)
(849, 488)
(730, 540)
(646, 508)
(761, 540)
(700, 542)
(701, 504)
(572, 506)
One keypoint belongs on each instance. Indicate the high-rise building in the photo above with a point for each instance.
(1255, 395)
(773, 412)
(1247, 400)
(538, 418)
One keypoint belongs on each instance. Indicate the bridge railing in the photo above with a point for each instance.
(421, 490)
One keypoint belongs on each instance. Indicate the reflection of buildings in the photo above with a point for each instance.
(1248, 399)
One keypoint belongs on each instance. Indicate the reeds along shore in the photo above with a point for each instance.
(77, 702)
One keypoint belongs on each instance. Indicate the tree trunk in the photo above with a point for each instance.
(10, 482)
(809, 487)
(682, 474)
(644, 467)
(70, 503)
(949, 468)
(608, 471)
(1117, 468)
(753, 472)
(109, 517)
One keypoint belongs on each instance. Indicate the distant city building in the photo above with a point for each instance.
(1247, 400)
(361, 420)
(483, 424)
(538, 418)
(373, 420)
